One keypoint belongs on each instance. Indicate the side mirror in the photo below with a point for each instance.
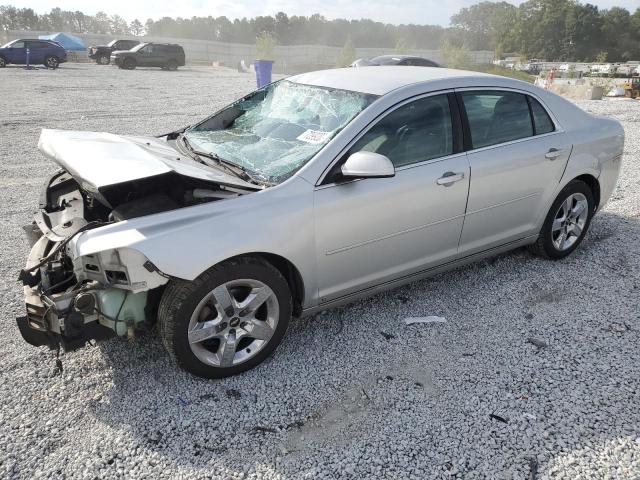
(368, 165)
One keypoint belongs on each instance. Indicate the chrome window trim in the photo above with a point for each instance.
(372, 123)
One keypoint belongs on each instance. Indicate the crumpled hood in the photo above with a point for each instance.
(100, 159)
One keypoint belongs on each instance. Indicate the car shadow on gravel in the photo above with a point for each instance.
(536, 355)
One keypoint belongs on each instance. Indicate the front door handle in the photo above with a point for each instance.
(552, 154)
(449, 179)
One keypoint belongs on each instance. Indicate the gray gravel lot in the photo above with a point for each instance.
(549, 349)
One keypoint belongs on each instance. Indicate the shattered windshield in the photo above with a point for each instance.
(276, 130)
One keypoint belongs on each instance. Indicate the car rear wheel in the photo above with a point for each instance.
(172, 65)
(567, 222)
(51, 62)
(226, 321)
(3, 62)
(103, 60)
(129, 64)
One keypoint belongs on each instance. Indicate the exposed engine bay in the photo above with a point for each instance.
(71, 300)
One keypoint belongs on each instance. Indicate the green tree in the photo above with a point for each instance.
(455, 56)
(402, 47)
(347, 55)
(265, 46)
(136, 28)
(486, 23)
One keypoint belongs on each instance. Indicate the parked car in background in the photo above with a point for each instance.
(45, 52)
(168, 56)
(306, 194)
(102, 53)
(388, 60)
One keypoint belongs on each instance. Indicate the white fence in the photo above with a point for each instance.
(289, 59)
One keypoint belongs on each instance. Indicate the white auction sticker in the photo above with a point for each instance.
(314, 136)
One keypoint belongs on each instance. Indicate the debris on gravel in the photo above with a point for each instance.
(340, 398)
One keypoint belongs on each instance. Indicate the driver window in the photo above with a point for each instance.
(17, 45)
(148, 49)
(418, 131)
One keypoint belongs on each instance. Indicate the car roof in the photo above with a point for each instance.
(380, 80)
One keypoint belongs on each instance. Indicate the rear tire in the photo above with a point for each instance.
(226, 321)
(567, 222)
(172, 65)
(129, 64)
(51, 62)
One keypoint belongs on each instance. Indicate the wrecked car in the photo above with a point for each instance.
(309, 193)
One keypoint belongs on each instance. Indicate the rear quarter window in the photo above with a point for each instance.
(541, 119)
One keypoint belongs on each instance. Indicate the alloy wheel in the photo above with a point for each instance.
(233, 322)
(52, 62)
(569, 221)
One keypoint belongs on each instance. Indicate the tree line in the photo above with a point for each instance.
(562, 30)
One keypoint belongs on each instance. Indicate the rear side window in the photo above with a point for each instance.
(541, 120)
(497, 117)
(418, 131)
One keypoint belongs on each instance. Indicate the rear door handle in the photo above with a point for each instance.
(553, 153)
(449, 179)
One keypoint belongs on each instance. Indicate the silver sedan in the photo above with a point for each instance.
(309, 193)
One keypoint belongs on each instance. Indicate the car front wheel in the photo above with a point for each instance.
(226, 321)
(3, 62)
(51, 62)
(567, 222)
(129, 64)
(103, 60)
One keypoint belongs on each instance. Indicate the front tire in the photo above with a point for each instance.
(567, 222)
(226, 321)
(51, 62)
(103, 60)
(3, 62)
(129, 64)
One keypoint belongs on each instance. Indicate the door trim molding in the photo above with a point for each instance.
(391, 235)
(403, 280)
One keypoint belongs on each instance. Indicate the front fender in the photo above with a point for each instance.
(184, 243)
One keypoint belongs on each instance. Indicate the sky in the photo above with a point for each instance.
(434, 12)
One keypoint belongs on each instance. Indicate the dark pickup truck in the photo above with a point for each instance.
(102, 53)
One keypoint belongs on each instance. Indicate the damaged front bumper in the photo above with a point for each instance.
(53, 320)
(84, 305)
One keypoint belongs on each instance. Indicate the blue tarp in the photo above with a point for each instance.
(68, 41)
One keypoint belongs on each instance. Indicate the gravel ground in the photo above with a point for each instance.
(535, 374)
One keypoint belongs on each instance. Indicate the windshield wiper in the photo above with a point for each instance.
(237, 170)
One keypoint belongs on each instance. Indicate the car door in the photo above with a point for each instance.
(17, 53)
(370, 231)
(517, 154)
(147, 56)
(37, 51)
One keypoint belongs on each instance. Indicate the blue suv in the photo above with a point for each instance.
(45, 52)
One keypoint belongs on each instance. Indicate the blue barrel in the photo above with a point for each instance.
(263, 71)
